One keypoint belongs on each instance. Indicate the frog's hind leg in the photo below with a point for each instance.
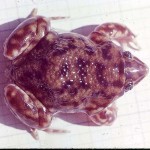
(106, 116)
(27, 109)
(34, 13)
(116, 33)
(26, 36)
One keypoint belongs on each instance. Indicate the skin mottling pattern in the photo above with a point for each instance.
(24, 35)
(61, 73)
(16, 100)
(68, 72)
(23, 106)
(110, 28)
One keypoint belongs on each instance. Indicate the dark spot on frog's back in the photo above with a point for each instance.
(100, 68)
(59, 51)
(68, 84)
(121, 67)
(73, 91)
(63, 102)
(64, 69)
(89, 50)
(111, 96)
(72, 45)
(60, 47)
(82, 63)
(96, 94)
(118, 83)
(37, 53)
(58, 91)
(82, 66)
(83, 84)
(106, 54)
(43, 63)
(38, 74)
(46, 90)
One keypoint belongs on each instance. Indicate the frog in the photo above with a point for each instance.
(52, 72)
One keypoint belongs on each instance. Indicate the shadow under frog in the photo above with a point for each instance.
(12, 121)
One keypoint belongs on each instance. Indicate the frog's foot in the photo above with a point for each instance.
(106, 116)
(27, 109)
(35, 10)
(34, 133)
(116, 33)
(33, 13)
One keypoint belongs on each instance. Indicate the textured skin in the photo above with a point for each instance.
(25, 36)
(52, 72)
(71, 72)
(28, 111)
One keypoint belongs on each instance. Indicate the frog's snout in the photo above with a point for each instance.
(135, 70)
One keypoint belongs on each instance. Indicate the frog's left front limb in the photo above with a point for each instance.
(104, 117)
(114, 32)
(28, 109)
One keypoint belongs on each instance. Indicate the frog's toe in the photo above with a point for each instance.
(33, 13)
(106, 116)
(34, 133)
(116, 33)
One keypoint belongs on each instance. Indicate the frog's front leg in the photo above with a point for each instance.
(27, 109)
(104, 117)
(114, 32)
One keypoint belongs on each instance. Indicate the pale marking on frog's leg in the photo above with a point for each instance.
(106, 116)
(26, 36)
(28, 110)
(116, 33)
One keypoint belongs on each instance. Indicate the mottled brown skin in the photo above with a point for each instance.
(52, 72)
(71, 72)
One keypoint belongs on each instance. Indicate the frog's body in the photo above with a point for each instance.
(67, 72)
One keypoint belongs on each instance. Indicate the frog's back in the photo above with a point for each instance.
(69, 71)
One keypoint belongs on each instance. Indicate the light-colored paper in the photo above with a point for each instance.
(132, 127)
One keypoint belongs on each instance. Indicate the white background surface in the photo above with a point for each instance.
(131, 129)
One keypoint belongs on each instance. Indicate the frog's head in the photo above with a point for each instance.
(135, 70)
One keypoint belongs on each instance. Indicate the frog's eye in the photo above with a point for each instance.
(128, 85)
(127, 55)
